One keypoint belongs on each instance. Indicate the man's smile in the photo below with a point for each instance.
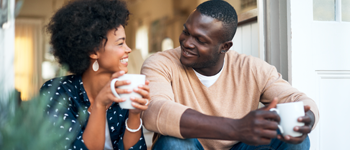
(187, 53)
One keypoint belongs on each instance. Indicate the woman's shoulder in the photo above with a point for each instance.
(59, 85)
(60, 81)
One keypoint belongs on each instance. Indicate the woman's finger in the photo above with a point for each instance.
(141, 101)
(121, 82)
(143, 93)
(123, 91)
(144, 87)
(115, 99)
(117, 74)
(147, 82)
(138, 106)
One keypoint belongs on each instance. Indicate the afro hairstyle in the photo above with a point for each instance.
(79, 28)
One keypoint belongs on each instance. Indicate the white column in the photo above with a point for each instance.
(7, 40)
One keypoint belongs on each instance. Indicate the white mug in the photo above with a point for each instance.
(289, 114)
(136, 80)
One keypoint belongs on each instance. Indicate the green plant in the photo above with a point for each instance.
(26, 127)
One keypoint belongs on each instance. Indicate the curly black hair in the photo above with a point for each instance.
(78, 29)
(221, 11)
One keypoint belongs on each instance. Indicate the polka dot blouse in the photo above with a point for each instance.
(69, 94)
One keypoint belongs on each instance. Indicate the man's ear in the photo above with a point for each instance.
(226, 46)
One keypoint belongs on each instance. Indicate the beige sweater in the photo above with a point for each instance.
(244, 82)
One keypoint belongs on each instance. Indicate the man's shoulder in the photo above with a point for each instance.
(245, 61)
(169, 57)
(243, 58)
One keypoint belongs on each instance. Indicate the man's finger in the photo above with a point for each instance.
(306, 108)
(302, 129)
(294, 140)
(272, 104)
(305, 119)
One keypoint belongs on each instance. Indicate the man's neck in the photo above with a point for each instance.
(210, 71)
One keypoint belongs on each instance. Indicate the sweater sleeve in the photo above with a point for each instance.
(272, 85)
(163, 114)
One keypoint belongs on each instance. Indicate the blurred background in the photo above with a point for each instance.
(154, 25)
(306, 40)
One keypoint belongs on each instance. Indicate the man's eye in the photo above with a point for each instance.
(185, 32)
(199, 41)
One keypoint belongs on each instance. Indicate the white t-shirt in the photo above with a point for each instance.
(108, 141)
(208, 80)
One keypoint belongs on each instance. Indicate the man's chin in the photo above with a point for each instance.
(186, 62)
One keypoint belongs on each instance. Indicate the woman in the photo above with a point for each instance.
(88, 37)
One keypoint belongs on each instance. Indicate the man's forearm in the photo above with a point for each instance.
(197, 125)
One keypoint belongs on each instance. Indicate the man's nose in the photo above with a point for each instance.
(188, 43)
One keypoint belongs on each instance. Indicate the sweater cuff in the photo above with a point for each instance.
(163, 116)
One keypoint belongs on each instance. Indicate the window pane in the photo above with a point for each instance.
(324, 10)
(345, 10)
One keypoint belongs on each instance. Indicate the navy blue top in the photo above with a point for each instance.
(68, 93)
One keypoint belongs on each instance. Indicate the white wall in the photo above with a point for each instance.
(246, 40)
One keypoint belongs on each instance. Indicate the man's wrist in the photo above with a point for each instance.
(233, 132)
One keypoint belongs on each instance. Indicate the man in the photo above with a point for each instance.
(204, 96)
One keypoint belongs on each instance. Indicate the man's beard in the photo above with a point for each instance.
(206, 64)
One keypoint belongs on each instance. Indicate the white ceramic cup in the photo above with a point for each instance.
(136, 80)
(289, 114)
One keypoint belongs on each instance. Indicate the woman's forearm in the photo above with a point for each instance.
(94, 134)
(131, 138)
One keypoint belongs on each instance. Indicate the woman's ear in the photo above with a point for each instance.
(94, 55)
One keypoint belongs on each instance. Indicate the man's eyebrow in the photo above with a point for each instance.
(198, 35)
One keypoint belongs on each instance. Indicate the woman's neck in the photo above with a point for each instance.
(93, 82)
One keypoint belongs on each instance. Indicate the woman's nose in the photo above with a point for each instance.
(127, 49)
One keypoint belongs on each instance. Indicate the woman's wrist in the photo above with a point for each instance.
(133, 115)
(133, 121)
(98, 107)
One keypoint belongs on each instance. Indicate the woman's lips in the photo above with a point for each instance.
(124, 61)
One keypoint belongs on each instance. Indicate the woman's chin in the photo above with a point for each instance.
(124, 69)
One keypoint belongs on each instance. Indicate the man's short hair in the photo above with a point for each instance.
(221, 11)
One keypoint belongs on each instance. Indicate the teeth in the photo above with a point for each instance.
(186, 53)
(124, 60)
